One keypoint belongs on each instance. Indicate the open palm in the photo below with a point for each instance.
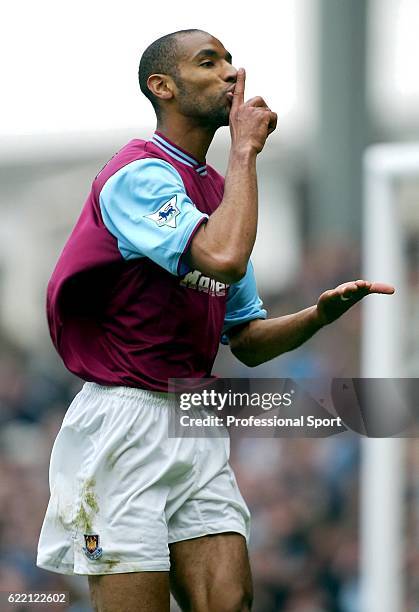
(335, 302)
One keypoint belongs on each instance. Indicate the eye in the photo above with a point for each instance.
(207, 63)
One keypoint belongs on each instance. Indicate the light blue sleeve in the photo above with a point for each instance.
(243, 303)
(146, 207)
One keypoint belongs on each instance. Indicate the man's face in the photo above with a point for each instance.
(205, 77)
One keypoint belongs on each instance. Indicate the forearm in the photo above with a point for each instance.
(221, 248)
(233, 225)
(223, 245)
(262, 340)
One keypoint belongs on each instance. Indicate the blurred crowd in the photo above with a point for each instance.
(303, 493)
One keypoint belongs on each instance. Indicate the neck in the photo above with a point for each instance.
(195, 139)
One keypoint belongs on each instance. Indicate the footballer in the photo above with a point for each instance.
(155, 272)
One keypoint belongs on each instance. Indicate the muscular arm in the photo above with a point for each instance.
(259, 341)
(221, 248)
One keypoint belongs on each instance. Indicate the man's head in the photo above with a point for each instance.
(188, 73)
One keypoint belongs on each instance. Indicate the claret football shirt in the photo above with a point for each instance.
(123, 307)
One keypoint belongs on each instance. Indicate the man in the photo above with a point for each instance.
(156, 269)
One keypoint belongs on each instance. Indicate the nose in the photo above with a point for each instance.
(230, 74)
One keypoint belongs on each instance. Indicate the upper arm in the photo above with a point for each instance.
(146, 207)
(211, 258)
(243, 304)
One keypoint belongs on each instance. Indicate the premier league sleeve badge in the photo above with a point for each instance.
(166, 214)
(92, 549)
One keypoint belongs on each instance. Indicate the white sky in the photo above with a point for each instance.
(73, 66)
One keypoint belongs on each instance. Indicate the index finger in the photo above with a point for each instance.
(238, 94)
(382, 288)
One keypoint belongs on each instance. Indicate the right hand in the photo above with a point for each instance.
(251, 122)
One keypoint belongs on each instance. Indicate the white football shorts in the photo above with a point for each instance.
(122, 490)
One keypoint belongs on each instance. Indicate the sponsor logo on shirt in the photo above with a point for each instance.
(197, 281)
(166, 214)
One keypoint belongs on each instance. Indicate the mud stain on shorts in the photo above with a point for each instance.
(111, 563)
(111, 459)
(88, 508)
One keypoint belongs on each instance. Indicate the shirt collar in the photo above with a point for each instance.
(177, 153)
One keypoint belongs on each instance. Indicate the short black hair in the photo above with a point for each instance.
(161, 57)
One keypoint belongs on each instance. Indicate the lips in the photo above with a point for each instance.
(229, 93)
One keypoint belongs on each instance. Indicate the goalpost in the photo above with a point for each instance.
(383, 356)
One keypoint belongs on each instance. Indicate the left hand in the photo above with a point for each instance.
(334, 303)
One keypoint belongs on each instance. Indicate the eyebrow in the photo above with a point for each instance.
(212, 53)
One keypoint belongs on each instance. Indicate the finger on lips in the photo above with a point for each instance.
(238, 93)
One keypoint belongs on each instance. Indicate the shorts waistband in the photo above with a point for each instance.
(128, 392)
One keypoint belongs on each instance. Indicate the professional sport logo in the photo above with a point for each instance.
(92, 549)
(166, 214)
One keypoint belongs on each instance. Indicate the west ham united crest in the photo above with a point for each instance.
(92, 549)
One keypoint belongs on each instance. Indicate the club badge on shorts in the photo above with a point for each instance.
(92, 549)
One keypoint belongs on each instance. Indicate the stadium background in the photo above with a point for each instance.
(342, 75)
